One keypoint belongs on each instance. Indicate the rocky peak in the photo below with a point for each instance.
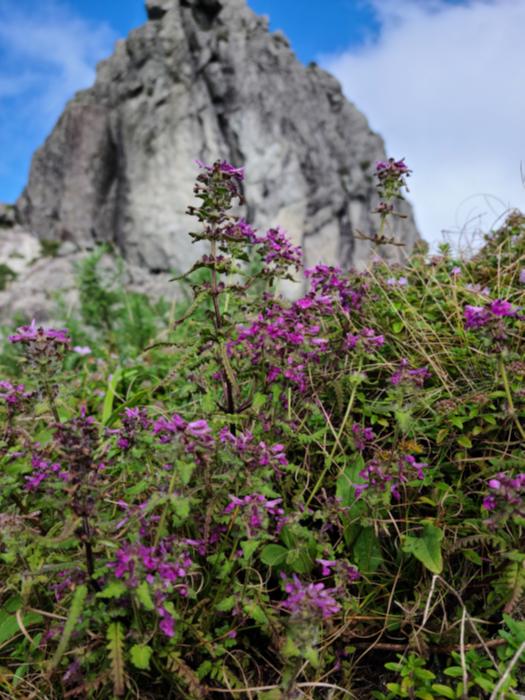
(205, 79)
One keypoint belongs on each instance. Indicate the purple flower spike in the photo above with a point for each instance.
(310, 599)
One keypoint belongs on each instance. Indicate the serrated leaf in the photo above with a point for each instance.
(75, 611)
(181, 506)
(115, 589)
(115, 637)
(256, 613)
(141, 655)
(144, 596)
(258, 401)
(185, 470)
(273, 555)
(204, 669)
(226, 604)
(248, 547)
(427, 548)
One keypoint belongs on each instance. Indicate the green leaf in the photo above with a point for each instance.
(453, 672)
(404, 420)
(181, 506)
(115, 637)
(472, 556)
(464, 441)
(144, 596)
(256, 613)
(443, 690)
(344, 488)
(115, 589)
(75, 611)
(109, 399)
(366, 551)
(274, 694)
(299, 560)
(248, 547)
(442, 434)
(9, 626)
(141, 655)
(258, 401)
(226, 604)
(185, 470)
(427, 548)
(204, 668)
(273, 555)
(398, 326)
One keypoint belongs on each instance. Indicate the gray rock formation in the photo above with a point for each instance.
(36, 292)
(205, 79)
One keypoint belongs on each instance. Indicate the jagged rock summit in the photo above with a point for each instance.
(205, 79)
(202, 79)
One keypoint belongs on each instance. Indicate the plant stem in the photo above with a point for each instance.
(328, 463)
(50, 399)
(508, 393)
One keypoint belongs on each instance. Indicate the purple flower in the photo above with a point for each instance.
(32, 333)
(14, 394)
(507, 500)
(310, 599)
(82, 349)
(476, 316)
(367, 338)
(394, 166)
(406, 374)
(279, 251)
(380, 475)
(522, 276)
(327, 566)
(502, 307)
(455, 271)
(167, 623)
(199, 429)
(479, 316)
(362, 436)
(255, 509)
(224, 167)
(399, 282)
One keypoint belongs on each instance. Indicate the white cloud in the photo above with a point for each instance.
(47, 53)
(443, 84)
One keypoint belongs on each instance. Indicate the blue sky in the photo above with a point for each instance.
(441, 80)
(34, 84)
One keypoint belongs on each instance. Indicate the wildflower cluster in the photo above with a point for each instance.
(310, 600)
(167, 568)
(506, 500)
(491, 316)
(380, 475)
(409, 375)
(256, 509)
(391, 177)
(244, 504)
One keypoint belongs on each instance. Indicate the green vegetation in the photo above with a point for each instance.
(250, 497)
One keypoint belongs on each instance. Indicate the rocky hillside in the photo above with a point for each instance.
(206, 79)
